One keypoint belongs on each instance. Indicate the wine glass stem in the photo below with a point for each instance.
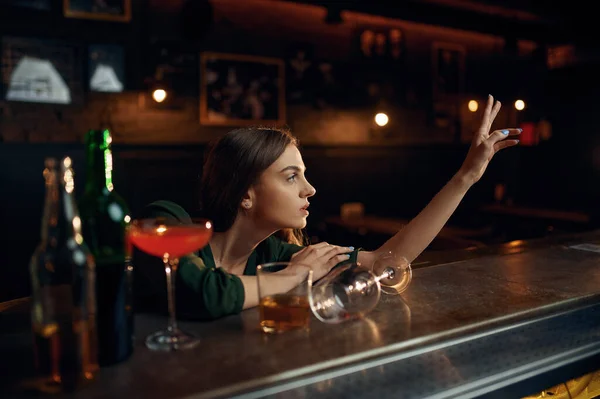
(171, 270)
(388, 272)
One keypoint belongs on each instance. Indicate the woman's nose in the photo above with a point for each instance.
(310, 190)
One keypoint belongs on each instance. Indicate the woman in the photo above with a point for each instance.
(255, 192)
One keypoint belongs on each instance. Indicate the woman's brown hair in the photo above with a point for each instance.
(233, 164)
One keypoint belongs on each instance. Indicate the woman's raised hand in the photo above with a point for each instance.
(486, 144)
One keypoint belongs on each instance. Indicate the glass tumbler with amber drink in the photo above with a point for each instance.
(170, 240)
(290, 310)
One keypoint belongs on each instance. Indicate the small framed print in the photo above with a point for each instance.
(448, 69)
(106, 68)
(107, 10)
(241, 90)
(40, 71)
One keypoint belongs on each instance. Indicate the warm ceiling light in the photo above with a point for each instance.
(473, 105)
(159, 95)
(520, 105)
(381, 119)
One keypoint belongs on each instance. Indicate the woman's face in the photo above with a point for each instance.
(280, 198)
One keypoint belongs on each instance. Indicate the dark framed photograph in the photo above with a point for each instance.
(241, 90)
(379, 65)
(41, 71)
(106, 68)
(301, 73)
(107, 10)
(381, 43)
(448, 69)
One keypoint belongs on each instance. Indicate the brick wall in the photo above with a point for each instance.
(273, 27)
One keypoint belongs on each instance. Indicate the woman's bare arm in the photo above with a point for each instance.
(420, 232)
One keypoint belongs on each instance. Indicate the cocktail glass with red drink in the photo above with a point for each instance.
(170, 240)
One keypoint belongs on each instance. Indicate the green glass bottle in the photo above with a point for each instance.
(105, 216)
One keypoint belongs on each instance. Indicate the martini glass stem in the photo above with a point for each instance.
(171, 270)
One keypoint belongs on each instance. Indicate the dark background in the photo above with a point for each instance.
(394, 171)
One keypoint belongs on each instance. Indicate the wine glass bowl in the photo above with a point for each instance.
(348, 292)
(394, 273)
(169, 240)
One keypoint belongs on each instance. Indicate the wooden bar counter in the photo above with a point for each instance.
(502, 322)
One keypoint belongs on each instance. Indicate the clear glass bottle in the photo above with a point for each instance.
(62, 273)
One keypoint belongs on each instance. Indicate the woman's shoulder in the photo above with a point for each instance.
(168, 209)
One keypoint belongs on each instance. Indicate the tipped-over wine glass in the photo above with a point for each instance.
(350, 291)
(394, 272)
(170, 240)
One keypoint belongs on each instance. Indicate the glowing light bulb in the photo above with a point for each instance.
(159, 95)
(473, 105)
(520, 105)
(381, 119)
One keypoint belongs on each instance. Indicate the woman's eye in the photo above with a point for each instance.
(292, 178)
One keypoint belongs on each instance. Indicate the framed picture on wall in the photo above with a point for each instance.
(106, 68)
(41, 71)
(379, 69)
(448, 69)
(301, 71)
(380, 43)
(241, 90)
(108, 10)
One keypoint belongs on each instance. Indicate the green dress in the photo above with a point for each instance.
(203, 291)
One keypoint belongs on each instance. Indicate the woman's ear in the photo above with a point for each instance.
(247, 200)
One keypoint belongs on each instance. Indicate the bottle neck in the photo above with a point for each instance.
(60, 221)
(51, 213)
(99, 162)
(71, 217)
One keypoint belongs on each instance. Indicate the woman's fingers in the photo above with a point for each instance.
(336, 250)
(337, 255)
(328, 259)
(322, 258)
(495, 110)
(300, 253)
(488, 110)
(335, 260)
(320, 253)
(499, 135)
(489, 115)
